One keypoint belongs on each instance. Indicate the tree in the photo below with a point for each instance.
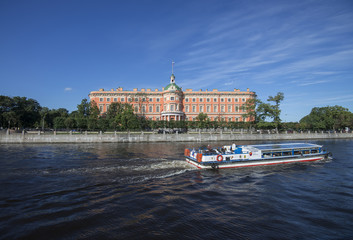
(70, 123)
(325, 118)
(202, 120)
(25, 112)
(127, 119)
(103, 124)
(264, 111)
(55, 113)
(59, 122)
(93, 110)
(83, 109)
(6, 106)
(275, 110)
(43, 113)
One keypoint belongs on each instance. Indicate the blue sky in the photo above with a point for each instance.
(58, 51)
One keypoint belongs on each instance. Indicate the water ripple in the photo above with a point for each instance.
(134, 191)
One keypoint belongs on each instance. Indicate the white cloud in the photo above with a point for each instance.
(313, 82)
(68, 89)
(229, 83)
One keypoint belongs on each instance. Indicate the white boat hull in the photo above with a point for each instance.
(250, 163)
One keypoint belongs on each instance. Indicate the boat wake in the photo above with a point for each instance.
(128, 171)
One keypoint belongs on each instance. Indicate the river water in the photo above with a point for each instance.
(148, 191)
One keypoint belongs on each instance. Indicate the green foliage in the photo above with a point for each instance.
(202, 120)
(19, 112)
(325, 118)
(266, 125)
(93, 111)
(259, 111)
(59, 122)
(275, 110)
(126, 119)
(103, 124)
(70, 123)
(83, 109)
(92, 124)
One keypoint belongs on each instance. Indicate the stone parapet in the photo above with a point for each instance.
(154, 137)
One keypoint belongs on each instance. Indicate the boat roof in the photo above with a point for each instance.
(285, 146)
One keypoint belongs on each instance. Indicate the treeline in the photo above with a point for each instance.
(23, 113)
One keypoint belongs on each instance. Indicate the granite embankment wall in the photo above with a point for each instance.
(154, 137)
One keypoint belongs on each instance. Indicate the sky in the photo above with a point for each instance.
(57, 52)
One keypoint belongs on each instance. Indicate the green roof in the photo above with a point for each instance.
(169, 86)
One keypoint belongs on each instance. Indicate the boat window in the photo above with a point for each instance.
(287, 153)
(297, 152)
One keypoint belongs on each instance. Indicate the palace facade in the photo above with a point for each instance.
(172, 103)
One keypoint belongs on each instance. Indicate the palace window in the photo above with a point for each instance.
(237, 119)
(136, 99)
(222, 99)
(157, 99)
(236, 109)
(129, 99)
(108, 105)
(150, 108)
(222, 108)
(136, 108)
(158, 108)
(172, 107)
(201, 108)
(243, 108)
(229, 108)
(150, 100)
(215, 108)
(101, 99)
(243, 100)
(194, 99)
(229, 119)
(115, 99)
(186, 100)
(122, 99)
(208, 100)
(229, 100)
(187, 108)
(235, 99)
(215, 99)
(201, 99)
(101, 107)
(143, 108)
(193, 108)
(172, 98)
(143, 99)
(208, 108)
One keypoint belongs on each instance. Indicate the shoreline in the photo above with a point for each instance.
(154, 137)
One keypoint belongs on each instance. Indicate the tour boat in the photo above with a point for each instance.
(234, 156)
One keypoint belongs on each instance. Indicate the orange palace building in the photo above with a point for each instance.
(172, 103)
